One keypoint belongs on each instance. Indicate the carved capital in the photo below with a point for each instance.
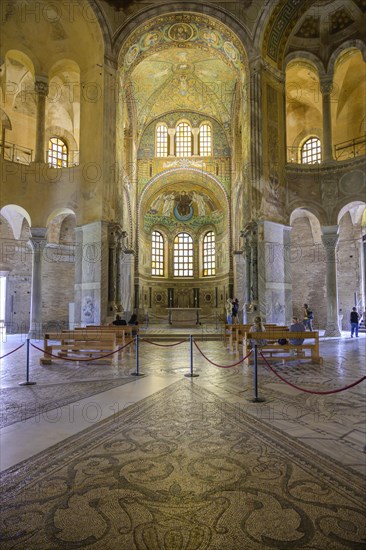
(326, 85)
(41, 86)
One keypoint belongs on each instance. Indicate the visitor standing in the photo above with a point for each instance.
(308, 317)
(258, 326)
(235, 311)
(354, 318)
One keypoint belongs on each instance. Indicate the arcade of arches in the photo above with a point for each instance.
(177, 154)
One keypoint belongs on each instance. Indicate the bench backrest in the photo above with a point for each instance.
(80, 336)
(267, 335)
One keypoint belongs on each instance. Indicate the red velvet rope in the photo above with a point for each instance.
(161, 345)
(90, 359)
(222, 366)
(10, 352)
(311, 391)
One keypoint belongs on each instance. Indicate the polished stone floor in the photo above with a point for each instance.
(70, 397)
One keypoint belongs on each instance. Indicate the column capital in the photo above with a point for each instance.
(38, 236)
(326, 84)
(41, 85)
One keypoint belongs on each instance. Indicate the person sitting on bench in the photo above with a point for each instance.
(119, 321)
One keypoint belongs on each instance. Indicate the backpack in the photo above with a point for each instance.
(310, 314)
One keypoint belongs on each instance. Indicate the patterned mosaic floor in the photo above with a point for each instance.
(196, 465)
(167, 474)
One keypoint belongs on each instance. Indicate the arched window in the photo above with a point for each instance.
(209, 254)
(205, 136)
(311, 151)
(57, 153)
(183, 140)
(157, 254)
(183, 255)
(161, 141)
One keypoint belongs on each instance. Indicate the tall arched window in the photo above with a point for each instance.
(157, 254)
(161, 141)
(183, 140)
(209, 254)
(205, 137)
(183, 255)
(311, 151)
(57, 153)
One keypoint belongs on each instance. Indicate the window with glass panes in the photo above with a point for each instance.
(183, 255)
(57, 153)
(205, 140)
(161, 141)
(157, 254)
(209, 254)
(183, 140)
(311, 151)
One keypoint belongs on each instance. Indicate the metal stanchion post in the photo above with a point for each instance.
(191, 375)
(256, 398)
(137, 372)
(27, 383)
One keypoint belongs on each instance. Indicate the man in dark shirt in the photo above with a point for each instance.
(354, 318)
(296, 326)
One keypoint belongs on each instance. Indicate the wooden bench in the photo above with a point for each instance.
(125, 334)
(282, 352)
(234, 333)
(76, 345)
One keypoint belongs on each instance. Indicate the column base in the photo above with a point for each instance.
(332, 329)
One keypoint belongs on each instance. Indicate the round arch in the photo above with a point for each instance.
(348, 45)
(14, 215)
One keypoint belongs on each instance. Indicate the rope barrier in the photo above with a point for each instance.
(312, 391)
(162, 345)
(10, 352)
(222, 366)
(90, 359)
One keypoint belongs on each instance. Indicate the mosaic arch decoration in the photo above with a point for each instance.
(281, 23)
(184, 30)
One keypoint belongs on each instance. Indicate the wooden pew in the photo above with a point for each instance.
(282, 352)
(234, 333)
(75, 344)
(124, 334)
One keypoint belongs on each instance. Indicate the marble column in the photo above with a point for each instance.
(256, 153)
(240, 290)
(326, 87)
(112, 271)
(127, 287)
(195, 132)
(274, 272)
(41, 89)
(171, 132)
(330, 238)
(120, 248)
(91, 274)
(38, 242)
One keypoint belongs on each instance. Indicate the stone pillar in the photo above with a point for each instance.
(38, 243)
(256, 152)
(127, 286)
(41, 89)
(250, 235)
(330, 238)
(326, 86)
(112, 271)
(240, 290)
(274, 273)
(119, 259)
(171, 132)
(195, 132)
(91, 274)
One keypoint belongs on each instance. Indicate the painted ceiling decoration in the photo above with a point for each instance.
(181, 62)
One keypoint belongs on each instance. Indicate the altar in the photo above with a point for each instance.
(184, 315)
